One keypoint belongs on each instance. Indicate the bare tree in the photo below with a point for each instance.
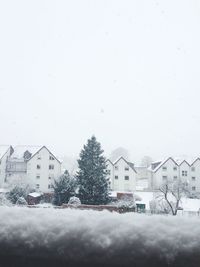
(172, 193)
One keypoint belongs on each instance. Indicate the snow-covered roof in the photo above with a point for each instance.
(127, 162)
(35, 194)
(114, 193)
(3, 150)
(3, 190)
(177, 160)
(19, 150)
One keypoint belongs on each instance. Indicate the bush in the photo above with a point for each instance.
(21, 201)
(18, 191)
(75, 201)
(4, 201)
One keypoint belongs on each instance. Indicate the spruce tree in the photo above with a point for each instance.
(91, 177)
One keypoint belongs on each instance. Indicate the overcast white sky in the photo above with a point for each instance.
(126, 71)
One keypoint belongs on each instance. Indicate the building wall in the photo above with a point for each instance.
(43, 176)
(117, 173)
(110, 172)
(194, 178)
(3, 167)
(142, 172)
(184, 171)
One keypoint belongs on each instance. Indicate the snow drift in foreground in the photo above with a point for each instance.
(36, 237)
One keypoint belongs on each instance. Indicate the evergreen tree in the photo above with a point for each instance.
(18, 191)
(64, 188)
(92, 177)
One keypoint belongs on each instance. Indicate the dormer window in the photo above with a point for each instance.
(164, 168)
(116, 168)
(51, 157)
(27, 155)
(126, 168)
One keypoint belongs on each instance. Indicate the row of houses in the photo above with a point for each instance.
(38, 166)
(125, 176)
(35, 165)
(172, 169)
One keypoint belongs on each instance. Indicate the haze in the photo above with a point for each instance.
(125, 71)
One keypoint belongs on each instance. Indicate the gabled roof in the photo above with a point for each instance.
(109, 161)
(195, 161)
(21, 149)
(162, 163)
(178, 162)
(4, 149)
(47, 150)
(184, 161)
(33, 150)
(131, 165)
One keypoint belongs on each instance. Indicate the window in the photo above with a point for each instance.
(164, 178)
(38, 167)
(184, 173)
(164, 168)
(175, 168)
(51, 157)
(193, 169)
(175, 178)
(193, 188)
(37, 186)
(126, 168)
(126, 178)
(37, 176)
(193, 178)
(108, 171)
(116, 177)
(116, 168)
(51, 167)
(38, 157)
(51, 176)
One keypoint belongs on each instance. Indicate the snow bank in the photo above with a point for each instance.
(48, 237)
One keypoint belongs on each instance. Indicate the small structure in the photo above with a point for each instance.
(34, 198)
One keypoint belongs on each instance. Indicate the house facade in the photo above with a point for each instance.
(122, 175)
(5, 153)
(33, 165)
(173, 170)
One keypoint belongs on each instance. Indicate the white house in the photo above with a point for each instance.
(33, 165)
(122, 175)
(5, 153)
(172, 170)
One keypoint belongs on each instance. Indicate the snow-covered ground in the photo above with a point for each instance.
(187, 204)
(90, 237)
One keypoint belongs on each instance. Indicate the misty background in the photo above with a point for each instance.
(126, 71)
